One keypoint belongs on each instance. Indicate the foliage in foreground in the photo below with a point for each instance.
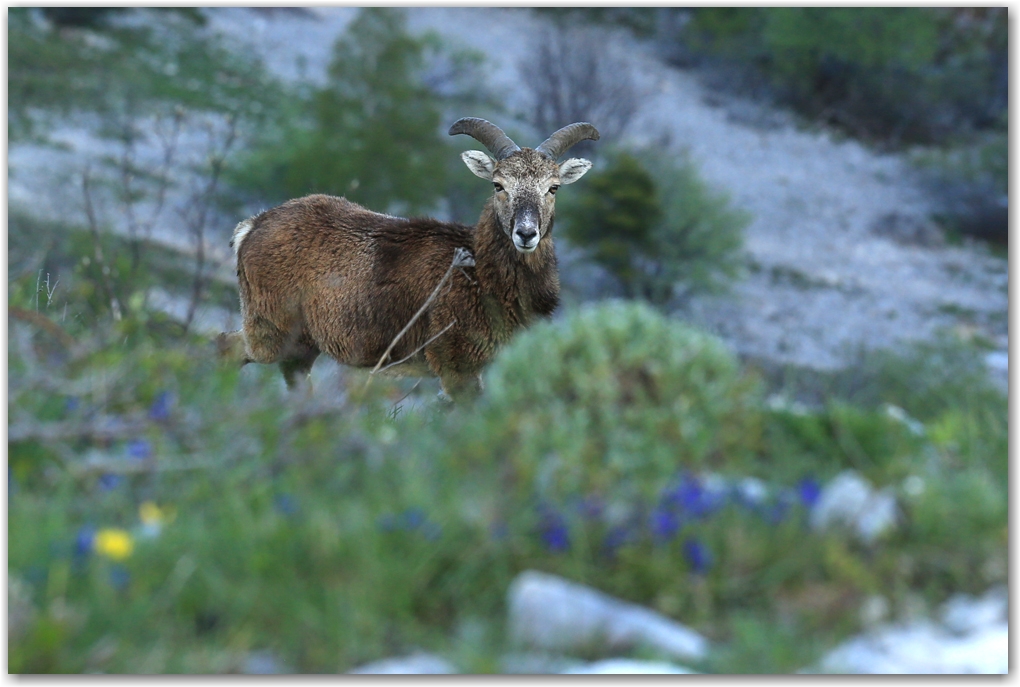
(170, 515)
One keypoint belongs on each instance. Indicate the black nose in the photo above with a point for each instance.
(526, 234)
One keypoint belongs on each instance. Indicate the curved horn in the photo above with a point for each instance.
(488, 134)
(560, 142)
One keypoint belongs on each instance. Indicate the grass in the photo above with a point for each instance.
(333, 536)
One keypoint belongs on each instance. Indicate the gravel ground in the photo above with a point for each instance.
(829, 269)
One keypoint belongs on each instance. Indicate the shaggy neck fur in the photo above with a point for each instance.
(515, 286)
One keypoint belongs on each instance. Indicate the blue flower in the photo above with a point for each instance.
(412, 518)
(83, 540)
(71, 404)
(108, 481)
(697, 555)
(160, 409)
(693, 499)
(139, 449)
(809, 490)
(664, 523)
(286, 504)
(553, 530)
(119, 577)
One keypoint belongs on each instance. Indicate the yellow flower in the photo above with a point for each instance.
(113, 543)
(150, 513)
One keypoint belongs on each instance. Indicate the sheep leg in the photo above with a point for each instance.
(459, 386)
(230, 348)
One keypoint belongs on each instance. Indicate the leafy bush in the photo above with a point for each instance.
(614, 399)
(656, 226)
(375, 133)
(904, 75)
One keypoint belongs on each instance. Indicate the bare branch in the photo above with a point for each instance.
(417, 350)
(461, 258)
(104, 269)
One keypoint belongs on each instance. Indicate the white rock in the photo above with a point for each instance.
(414, 664)
(849, 500)
(922, 647)
(626, 666)
(553, 614)
(963, 614)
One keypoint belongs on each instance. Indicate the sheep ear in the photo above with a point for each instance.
(573, 169)
(480, 164)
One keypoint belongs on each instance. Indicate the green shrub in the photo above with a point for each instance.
(375, 133)
(615, 400)
(656, 226)
(902, 75)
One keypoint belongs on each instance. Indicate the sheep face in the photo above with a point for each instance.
(524, 191)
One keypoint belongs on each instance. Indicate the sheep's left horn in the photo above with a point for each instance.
(570, 135)
(486, 133)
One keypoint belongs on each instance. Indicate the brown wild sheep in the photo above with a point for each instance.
(323, 274)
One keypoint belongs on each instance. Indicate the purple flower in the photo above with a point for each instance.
(553, 531)
(808, 489)
(693, 499)
(139, 449)
(697, 555)
(160, 409)
(664, 524)
(83, 540)
(108, 481)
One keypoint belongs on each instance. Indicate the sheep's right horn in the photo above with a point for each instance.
(570, 135)
(486, 133)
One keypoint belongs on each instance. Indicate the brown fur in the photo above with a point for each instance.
(321, 274)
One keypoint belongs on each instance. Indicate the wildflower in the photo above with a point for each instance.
(71, 404)
(119, 577)
(697, 555)
(664, 524)
(153, 518)
(139, 449)
(84, 540)
(108, 481)
(808, 490)
(694, 499)
(553, 531)
(113, 543)
(160, 409)
(775, 512)
(286, 504)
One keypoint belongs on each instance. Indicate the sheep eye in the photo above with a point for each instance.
(498, 187)
(553, 189)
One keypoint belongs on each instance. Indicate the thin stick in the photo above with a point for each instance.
(97, 246)
(461, 258)
(415, 352)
